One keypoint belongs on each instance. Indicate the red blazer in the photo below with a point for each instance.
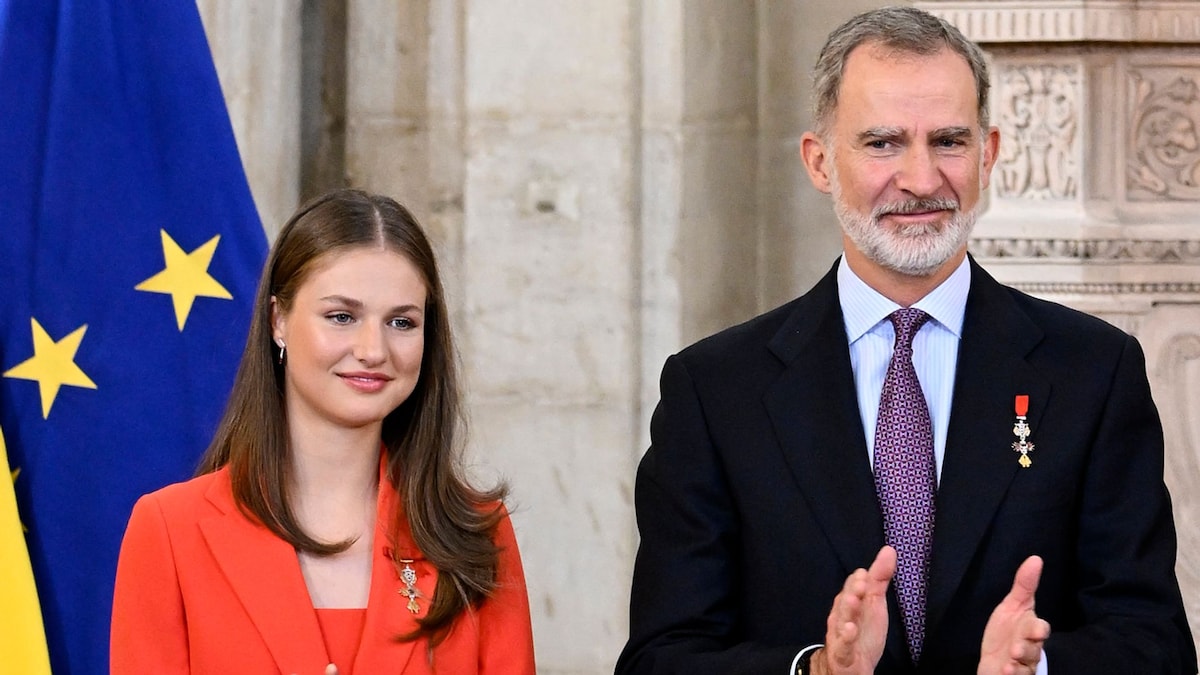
(202, 589)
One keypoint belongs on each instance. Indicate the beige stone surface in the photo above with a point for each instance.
(571, 498)
(256, 48)
(548, 291)
(387, 58)
(387, 101)
(539, 59)
(1170, 334)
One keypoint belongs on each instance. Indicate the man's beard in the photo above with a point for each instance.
(915, 250)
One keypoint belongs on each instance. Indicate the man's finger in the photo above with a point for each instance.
(884, 566)
(1025, 582)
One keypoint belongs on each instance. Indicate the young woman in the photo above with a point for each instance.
(330, 528)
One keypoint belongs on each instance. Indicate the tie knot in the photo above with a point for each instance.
(907, 322)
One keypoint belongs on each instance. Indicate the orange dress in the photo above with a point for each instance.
(341, 630)
(202, 589)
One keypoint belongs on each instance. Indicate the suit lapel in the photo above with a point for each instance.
(979, 462)
(265, 575)
(814, 410)
(388, 616)
(813, 407)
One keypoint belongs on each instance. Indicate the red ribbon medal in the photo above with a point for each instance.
(1021, 430)
(1022, 405)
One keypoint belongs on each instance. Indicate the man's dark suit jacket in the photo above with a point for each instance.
(756, 499)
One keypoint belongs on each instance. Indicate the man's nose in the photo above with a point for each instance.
(919, 173)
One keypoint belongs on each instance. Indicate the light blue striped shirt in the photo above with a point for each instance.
(935, 347)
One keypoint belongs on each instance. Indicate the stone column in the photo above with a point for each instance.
(1095, 193)
(799, 237)
(699, 190)
(549, 294)
(388, 73)
(256, 48)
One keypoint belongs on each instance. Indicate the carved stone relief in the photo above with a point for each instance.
(1107, 250)
(1062, 291)
(1038, 116)
(1175, 377)
(1030, 21)
(1164, 141)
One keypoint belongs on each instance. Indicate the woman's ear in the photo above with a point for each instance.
(278, 323)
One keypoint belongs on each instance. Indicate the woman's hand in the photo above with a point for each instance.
(329, 670)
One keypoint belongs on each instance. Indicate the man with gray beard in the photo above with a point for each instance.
(911, 468)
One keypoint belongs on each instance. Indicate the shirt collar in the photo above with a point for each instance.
(863, 307)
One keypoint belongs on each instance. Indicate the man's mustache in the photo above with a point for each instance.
(915, 206)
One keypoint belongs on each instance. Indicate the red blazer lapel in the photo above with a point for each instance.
(265, 574)
(388, 616)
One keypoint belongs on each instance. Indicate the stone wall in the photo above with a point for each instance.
(609, 180)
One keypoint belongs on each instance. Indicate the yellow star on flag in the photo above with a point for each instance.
(185, 277)
(52, 365)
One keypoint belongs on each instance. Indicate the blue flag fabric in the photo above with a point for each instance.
(131, 249)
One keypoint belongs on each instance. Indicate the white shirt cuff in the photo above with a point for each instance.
(813, 648)
(1042, 667)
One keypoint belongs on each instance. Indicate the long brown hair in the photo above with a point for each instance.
(450, 521)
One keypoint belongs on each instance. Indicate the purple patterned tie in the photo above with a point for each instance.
(905, 476)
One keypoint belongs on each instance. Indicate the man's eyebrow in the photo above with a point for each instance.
(875, 133)
(952, 132)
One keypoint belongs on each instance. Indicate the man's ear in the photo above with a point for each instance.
(991, 148)
(815, 156)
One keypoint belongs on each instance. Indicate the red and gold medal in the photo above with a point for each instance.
(1021, 430)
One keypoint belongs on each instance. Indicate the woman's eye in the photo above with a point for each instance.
(340, 318)
(402, 322)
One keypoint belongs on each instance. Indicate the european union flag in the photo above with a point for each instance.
(130, 255)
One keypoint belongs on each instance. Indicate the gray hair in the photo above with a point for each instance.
(903, 29)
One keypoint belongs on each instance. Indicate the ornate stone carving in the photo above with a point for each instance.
(1171, 21)
(1060, 288)
(1164, 143)
(1111, 250)
(1176, 372)
(1038, 115)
